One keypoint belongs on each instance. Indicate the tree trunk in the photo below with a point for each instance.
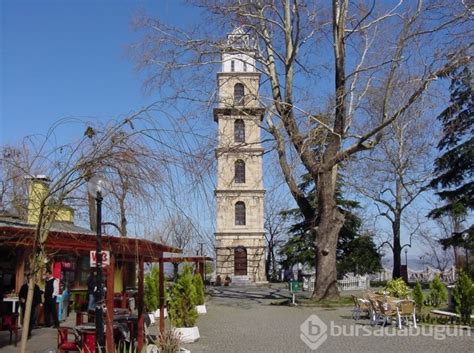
(396, 248)
(328, 225)
(268, 261)
(175, 271)
(123, 218)
(274, 265)
(396, 230)
(27, 314)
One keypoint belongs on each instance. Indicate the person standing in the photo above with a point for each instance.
(91, 290)
(36, 301)
(51, 291)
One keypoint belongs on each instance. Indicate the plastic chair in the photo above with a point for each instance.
(64, 344)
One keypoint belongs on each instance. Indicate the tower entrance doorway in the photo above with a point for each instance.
(240, 261)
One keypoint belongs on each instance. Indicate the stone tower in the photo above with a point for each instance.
(240, 241)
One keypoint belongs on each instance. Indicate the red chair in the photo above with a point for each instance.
(10, 323)
(64, 344)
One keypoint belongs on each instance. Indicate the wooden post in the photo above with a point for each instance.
(161, 289)
(140, 304)
(109, 338)
(124, 301)
(201, 269)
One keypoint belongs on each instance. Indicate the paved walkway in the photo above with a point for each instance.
(242, 320)
(43, 340)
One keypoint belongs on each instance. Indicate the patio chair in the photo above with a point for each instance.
(388, 311)
(149, 321)
(375, 313)
(10, 323)
(360, 305)
(66, 345)
(407, 312)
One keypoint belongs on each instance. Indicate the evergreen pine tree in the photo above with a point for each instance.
(182, 309)
(454, 169)
(355, 252)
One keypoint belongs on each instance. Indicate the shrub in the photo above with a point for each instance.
(418, 296)
(151, 297)
(438, 292)
(398, 288)
(169, 342)
(378, 284)
(182, 308)
(199, 285)
(463, 294)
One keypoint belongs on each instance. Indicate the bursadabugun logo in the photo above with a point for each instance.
(313, 332)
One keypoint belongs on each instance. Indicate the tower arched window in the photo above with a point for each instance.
(239, 213)
(232, 65)
(239, 171)
(239, 93)
(239, 131)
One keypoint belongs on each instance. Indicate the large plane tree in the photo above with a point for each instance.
(335, 75)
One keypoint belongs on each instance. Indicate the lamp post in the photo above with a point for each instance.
(465, 237)
(406, 258)
(95, 186)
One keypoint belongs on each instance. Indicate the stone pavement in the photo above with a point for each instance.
(43, 340)
(242, 320)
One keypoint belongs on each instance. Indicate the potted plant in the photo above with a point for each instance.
(182, 309)
(152, 296)
(200, 294)
(397, 288)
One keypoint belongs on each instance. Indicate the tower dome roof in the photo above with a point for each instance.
(240, 39)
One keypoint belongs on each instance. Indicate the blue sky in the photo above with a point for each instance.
(68, 58)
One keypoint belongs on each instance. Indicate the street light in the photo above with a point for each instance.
(406, 258)
(465, 237)
(95, 187)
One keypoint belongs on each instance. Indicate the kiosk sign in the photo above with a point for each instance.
(105, 258)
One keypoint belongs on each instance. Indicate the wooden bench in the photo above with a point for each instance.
(447, 313)
(9, 322)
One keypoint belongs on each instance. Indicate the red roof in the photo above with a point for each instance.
(22, 236)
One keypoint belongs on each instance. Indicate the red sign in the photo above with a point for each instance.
(105, 258)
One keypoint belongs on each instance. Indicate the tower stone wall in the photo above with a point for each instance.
(240, 241)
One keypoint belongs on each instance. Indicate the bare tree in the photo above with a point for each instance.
(134, 178)
(313, 98)
(69, 165)
(394, 175)
(434, 254)
(179, 231)
(13, 185)
(275, 231)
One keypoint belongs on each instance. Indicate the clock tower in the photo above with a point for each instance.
(240, 240)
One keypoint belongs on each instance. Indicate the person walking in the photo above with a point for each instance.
(91, 290)
(51, 291)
